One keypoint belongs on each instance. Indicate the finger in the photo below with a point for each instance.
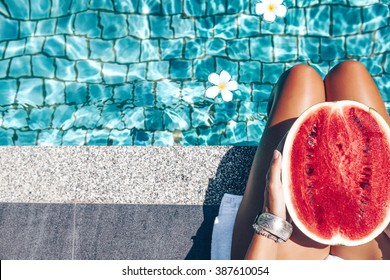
(276, 166)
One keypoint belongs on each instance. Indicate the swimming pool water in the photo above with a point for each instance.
(134, 72)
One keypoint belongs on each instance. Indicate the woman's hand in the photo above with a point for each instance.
(273, 196)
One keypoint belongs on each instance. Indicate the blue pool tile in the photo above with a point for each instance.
(171, 48)
(76, 47)
(276, 27)
(20, 66)
(193, 92)
(18, 9)
(373, 64)
(163, 138)
(177, 119)
(43, 66)
(272, 72)
(386, 65)
(333, 1)
(210, 136)
(150, 50)
(375, 17)
(143, 95)
(137, 72)
(255, 130)
(153, 119)
(127, 50)
(89, 71)
(101, 4)
(65, 69)
(171, 7)
(2, 48)
(346, 20)
(6, 136)
(50, 137)
(111, 117)
(139, 26)
(55, 45)
(363, 2)
(261, 92)
(332, 48)
(309, 48)
(162, 96)
(123, 93)
(382, 40)
(134, 118)
(216, 7)
(114, 25)
(74, 137)
(237, 6)
(158, 70)
(40, 118)
(194, 7)
(97, 137)
(149, 6)
(238, 49)
(65, 24)
(383, 84)
(322, 68)
(200, 116)
(250, 71)
(87, 23)
(40, 9)
(26, 138)
(120, 138)
(46, 27)
(261, 48)
(248, 26)
(15, 118)
(63, 117)
(216, 47)
(60, 7)
(243, 92)
(102, 49)
(160, 27)
(305, 3)
(75, 93)
(204, 27)
(27, 28)
(225, 111)
(203, 68)
(194, 48)
(285, 48)
(230, 66)
(4, 64)
(235, 133)
(359, 45)
(294, 22)
(79, 6)
(181, 69)
(9, 29)
(114, 73)
(15, 48)
(190, 138)
(87, 116)
(318, 20)
(7, 92)
(55, 92)
(3, 10)
(183, 27)
(99, 94)
(225, 27)
(247, 110)
(143, 138)
(34, 45)
(129, 6)
(30, 92)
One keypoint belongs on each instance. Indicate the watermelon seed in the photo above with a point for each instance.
(364, 184)
(310, 186)
(340, 146)
(310, 155)
(309, 170)
(363, 201)
(367, 169)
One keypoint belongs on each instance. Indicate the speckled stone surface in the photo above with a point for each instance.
(123, 175)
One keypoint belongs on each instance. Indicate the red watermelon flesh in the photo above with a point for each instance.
(336, 173)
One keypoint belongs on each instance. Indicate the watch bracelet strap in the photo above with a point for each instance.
(261, 231)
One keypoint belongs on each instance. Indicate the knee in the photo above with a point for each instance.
(350, 66)
(304, 71)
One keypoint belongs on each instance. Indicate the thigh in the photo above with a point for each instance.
(297, 89)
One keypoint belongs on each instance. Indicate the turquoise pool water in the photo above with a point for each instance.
(134, 72)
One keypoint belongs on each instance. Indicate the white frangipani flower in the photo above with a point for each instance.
(222, 84)
(271, 9)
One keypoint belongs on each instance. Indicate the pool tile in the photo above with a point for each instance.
(382, 40)
(15, 48)
(225, 111)
(177, 118)
(65, 69)
(318, 20)
(63, 117)
(247, 110)
(383, 84)
(373, 64)
(60, 8)
(261, 48)
(123, 93)
(230, 66)
(190, 138)
(261, 92)
(99, 94)
(87, 117)
(102, 49)
(216, 47)
(276, 27)
(3, 10)
(163, 138)
(79, 6)
(305, 3)
(322, 68)
(114, 25)
(18, 9)
(20, 67)
(171, 48)
(55, 92)
(74, 137)
(150, 50)
(332, 48)
(89, 71)
(10, 29)
(34, 45)
(40, 118)
(250, 71)
(50, 137)
(127, 50)
(386, 65)
(4, 64)
(27, 28)
(216, 7)
(153, 119)
(26, 138)
(201, 117)
(238, 49)
(7, 92)
(194, 7)
(26, 88)
(272, 72)
(129, 6)
(54, 45)
(235, 133)
(374, 17)
(15, 119)
(149, 6)
(134, 118)
(243, 92)
(359, 45)
(160, 27)
(174, 93)
(143, 138)
(255, 130)
(203, 68)
(363, 2)
(346, 20)
(248, 26)
(6, 136)
(120, 138)
(139, 26)
(181, 69)
(75, 93)
(171, 7)
(76, 48)
(97, 137)
(137, 72)
(46, 27)
(87, 23)
(111, 117)
(158, 70)
(183, 27)
(101, 4)
(143, 94)
(193, 92)
(204, 27)
(2, 48)
(225, 27)
(194, 48)
(40, 9)
(295, 19)
(43, 66)
(114, 73)
(309, 48)
(65, 24)
(237, 6)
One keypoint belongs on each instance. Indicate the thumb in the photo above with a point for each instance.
(275, 168)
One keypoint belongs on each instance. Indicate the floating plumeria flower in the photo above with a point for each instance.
(271, 9)
(222, 84)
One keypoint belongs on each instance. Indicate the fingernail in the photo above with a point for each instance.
(276, 154)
